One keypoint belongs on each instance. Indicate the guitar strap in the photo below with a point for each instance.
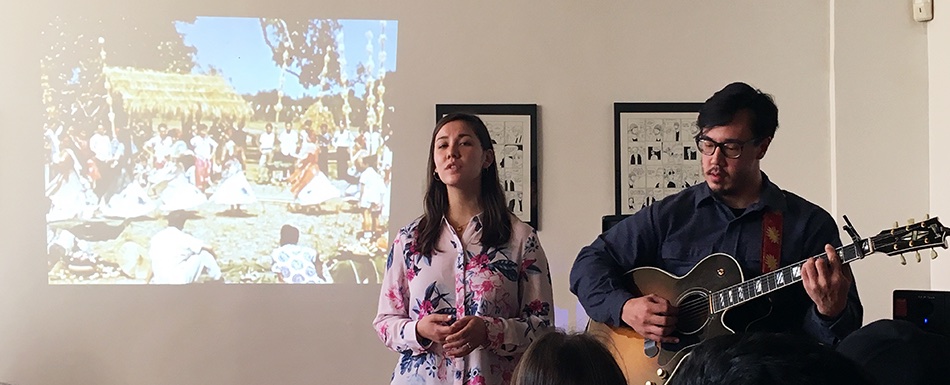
(771, 240)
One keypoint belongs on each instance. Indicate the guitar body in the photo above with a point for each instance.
(646, 363)
(690, 293)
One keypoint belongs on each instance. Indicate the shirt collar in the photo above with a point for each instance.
(476, 221)
(770, 197)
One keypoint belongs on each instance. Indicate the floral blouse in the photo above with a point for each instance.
(510, 287)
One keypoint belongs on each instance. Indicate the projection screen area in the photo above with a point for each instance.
(217, 150)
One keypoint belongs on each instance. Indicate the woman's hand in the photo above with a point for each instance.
(468, 333)
(434, 327)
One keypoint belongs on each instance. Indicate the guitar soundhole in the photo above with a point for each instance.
(694, 312)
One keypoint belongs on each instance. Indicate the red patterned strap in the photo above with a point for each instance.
(771, 240)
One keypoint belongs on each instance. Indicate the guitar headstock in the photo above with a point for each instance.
(912, 237)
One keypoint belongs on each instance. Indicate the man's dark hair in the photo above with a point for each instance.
(721, 108)
(767, 358)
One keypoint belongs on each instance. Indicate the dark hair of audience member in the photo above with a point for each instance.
(767, 358)
(558, 358)
(899, 352)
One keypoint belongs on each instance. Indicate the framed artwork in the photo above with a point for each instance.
(655, 154)
(513, 129)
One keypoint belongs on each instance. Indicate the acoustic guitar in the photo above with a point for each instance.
(716, 285)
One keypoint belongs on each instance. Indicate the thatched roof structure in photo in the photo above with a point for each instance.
(147, 93)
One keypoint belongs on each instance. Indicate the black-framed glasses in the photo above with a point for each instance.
(732, 149)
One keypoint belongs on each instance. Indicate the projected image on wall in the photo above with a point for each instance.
(217, 150)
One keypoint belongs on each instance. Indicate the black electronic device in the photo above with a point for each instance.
(929, 310)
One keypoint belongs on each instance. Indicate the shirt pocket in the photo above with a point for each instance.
(678, 258)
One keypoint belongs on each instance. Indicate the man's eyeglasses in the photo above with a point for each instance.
(732, 149)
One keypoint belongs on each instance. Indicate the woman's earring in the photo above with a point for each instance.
(435, 176)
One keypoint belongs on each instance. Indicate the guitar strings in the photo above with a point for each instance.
(694, 308)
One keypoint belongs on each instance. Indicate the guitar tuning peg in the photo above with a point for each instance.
(903, 261)
(896, 224)
(933, 254)
(918, 255)
(910, 221)
(926, 217)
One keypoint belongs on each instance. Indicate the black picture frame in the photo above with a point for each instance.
(654, 152)
(514, 129)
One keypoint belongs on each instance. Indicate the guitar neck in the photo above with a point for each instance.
(766, 283)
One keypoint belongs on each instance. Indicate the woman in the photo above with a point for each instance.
(467, 286)
(234, 189)
(310, 185)
(69, 193)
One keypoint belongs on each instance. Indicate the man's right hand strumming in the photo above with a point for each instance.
(652, 316)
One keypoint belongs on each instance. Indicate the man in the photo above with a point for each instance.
(179, 258)
(287, 143)
(287, 140)
(100, 143)
(156, 146)
(323, 145)
(204, 148)
(266, 145)
(724, 215)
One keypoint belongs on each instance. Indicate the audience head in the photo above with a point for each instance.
(567, 359)
(766, 358)
(899, 352)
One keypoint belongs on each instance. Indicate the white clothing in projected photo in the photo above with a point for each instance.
(317, 191)
(234, 188)
(296, 264)
(179, 258)
(288, 142)
(372, 188)
(132, 202)
(178, 193)
(70, 195)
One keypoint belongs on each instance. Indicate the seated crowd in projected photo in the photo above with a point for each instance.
(240, 150)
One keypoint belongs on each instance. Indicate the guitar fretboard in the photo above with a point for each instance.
(766, 283)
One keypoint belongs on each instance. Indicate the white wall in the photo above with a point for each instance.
(938, 50)
(573, 59)
(880, 131)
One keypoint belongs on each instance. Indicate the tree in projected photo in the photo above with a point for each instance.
(230, 150)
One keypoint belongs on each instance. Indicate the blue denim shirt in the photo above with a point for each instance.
(674, 234)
